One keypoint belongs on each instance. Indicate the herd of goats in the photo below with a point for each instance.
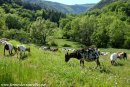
(19, 49)
(92, 54)
(83, 54)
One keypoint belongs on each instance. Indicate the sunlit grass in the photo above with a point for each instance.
(45, 67)
(62, 42)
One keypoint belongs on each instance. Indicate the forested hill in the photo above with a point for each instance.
(30, 11)
(75, 9)
(105, 27)
(27, 22)
(103, 3)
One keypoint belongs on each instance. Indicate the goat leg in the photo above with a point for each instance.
(98, 63)
(4, 51)
(82, 62)
(9, 52)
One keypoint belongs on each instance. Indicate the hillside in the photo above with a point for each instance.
(105, 27)
(42, 29)
(50, 69)
(103, 3)
(76, 9)
(19, 20)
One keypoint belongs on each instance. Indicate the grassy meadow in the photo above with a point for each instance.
(50, 68)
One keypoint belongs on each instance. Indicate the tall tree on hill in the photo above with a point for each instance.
(117, 33)
(41, 29)
(87, 26)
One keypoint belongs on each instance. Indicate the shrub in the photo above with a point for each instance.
(19, 35)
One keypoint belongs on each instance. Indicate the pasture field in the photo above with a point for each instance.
(50, 68)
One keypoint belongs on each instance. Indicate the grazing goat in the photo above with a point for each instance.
(89, 54)
(54, 49)
(113, 57)
(8, 46)
(45, 48)
(22, 48)
(104, 53)
(67, 49)
(122, 55)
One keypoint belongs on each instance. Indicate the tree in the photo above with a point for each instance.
(2, 21)
(65, 24)
(19, 35)
(75, 28)
(100, 36)
(117, 33)
(41, 29)
(13, 22)
(87, 26)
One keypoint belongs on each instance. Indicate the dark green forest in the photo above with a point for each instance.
(107, 26)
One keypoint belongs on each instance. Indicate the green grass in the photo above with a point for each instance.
(45, 67)
(62, 42)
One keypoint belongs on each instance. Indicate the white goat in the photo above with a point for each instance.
(113, 57)
(22, 48)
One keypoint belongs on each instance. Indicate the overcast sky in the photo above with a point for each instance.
(72, 2)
